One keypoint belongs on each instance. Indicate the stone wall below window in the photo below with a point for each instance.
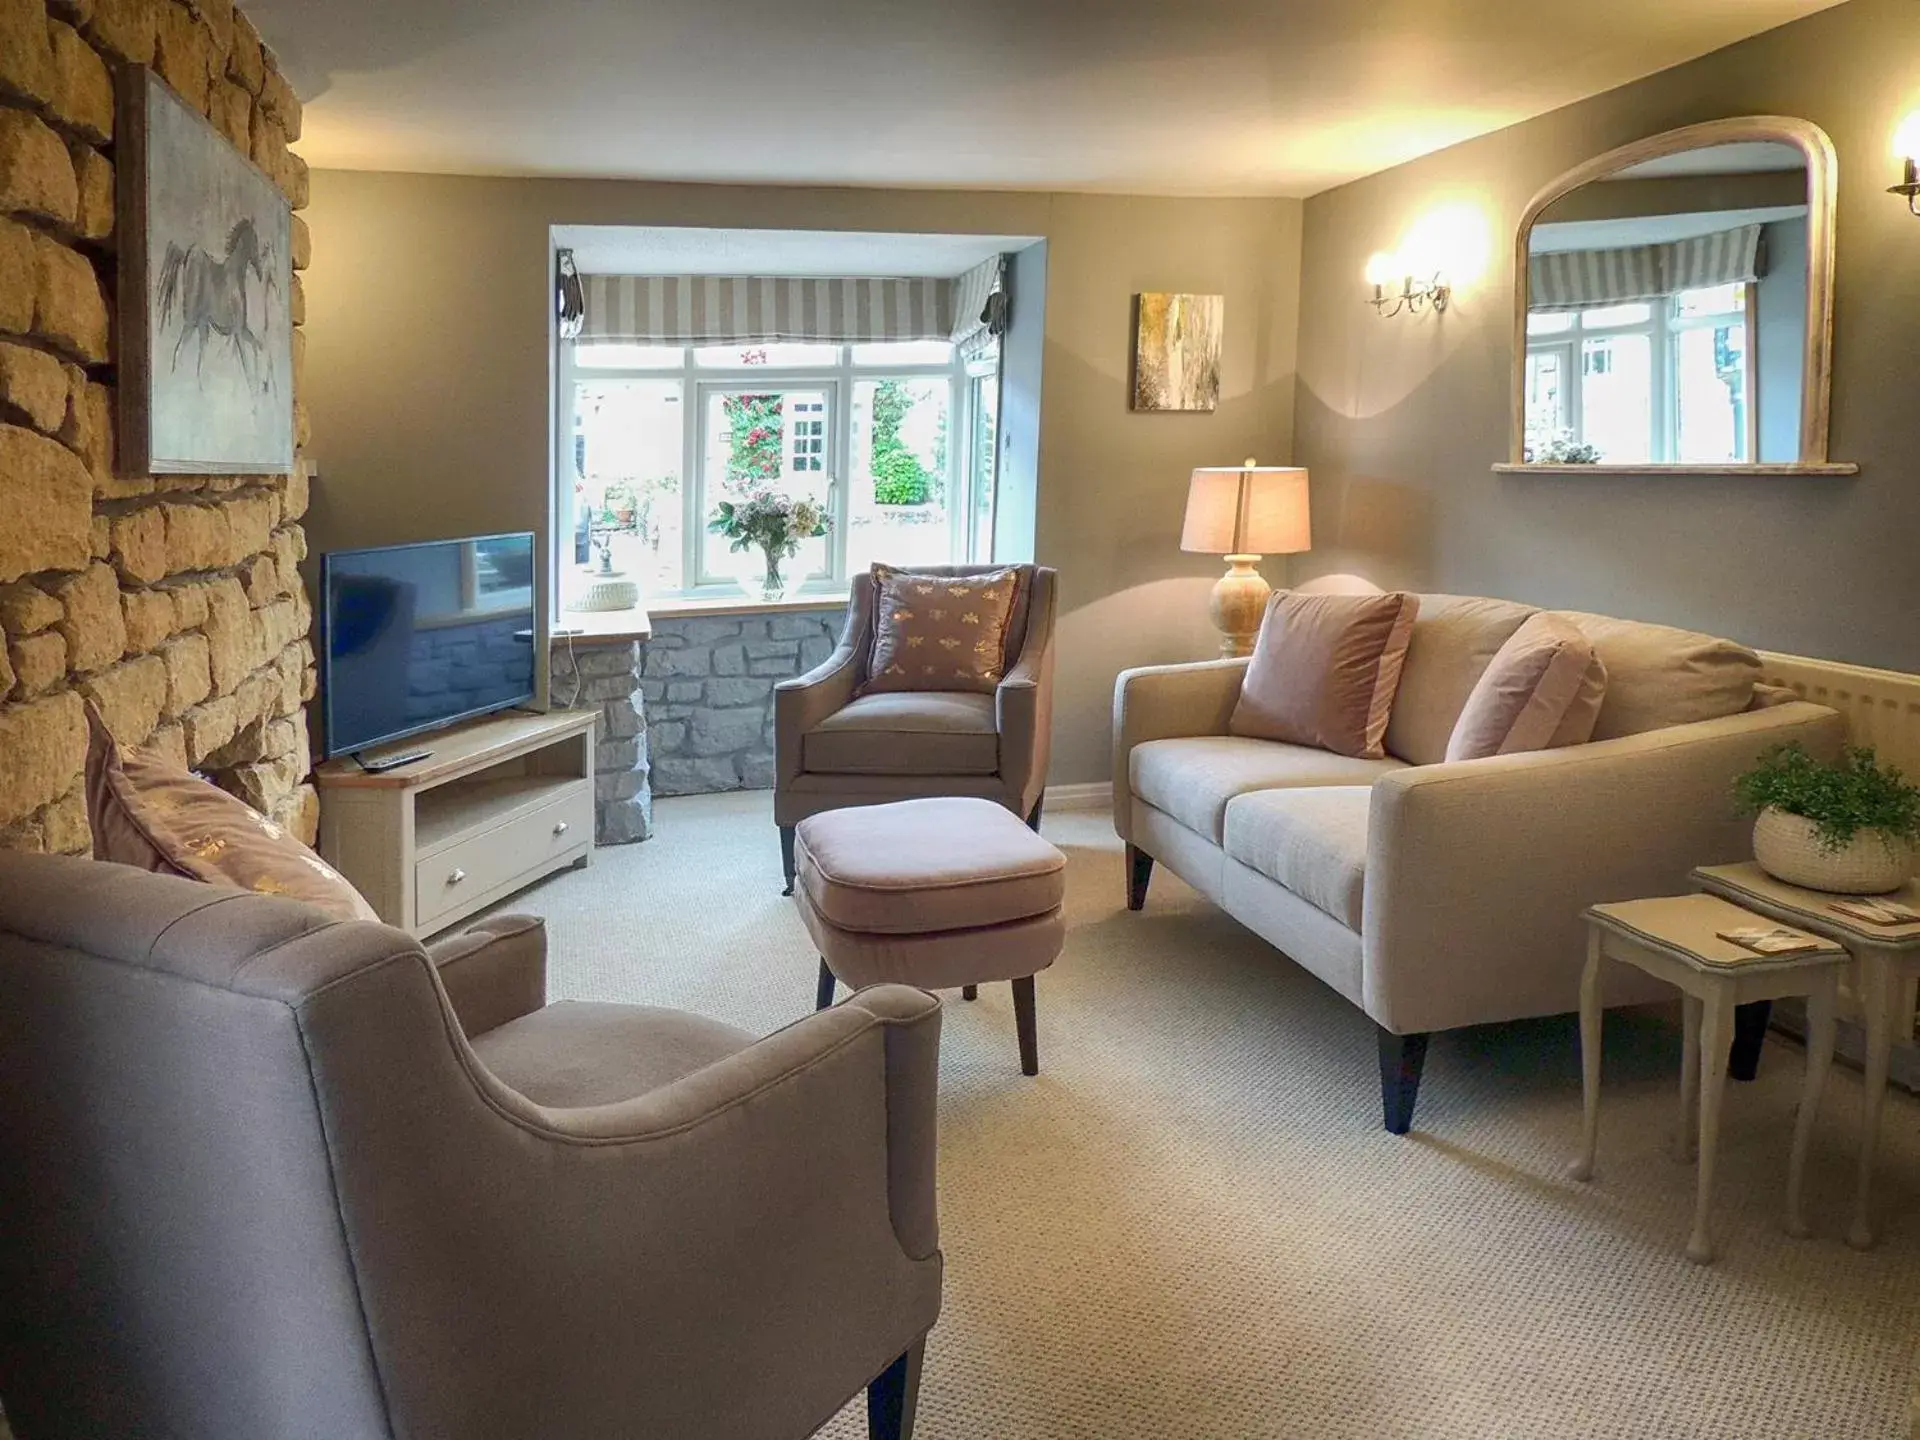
(604, 675)
(708, 687)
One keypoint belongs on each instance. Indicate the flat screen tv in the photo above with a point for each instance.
(414, 637)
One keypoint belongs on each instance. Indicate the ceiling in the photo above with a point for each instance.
(1270, 97)
(683, 250)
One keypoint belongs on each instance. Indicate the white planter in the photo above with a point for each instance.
(1787, 847)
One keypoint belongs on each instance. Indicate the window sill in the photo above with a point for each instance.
(637, 624)
(1681, 471)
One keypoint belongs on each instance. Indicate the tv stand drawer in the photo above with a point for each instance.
(469, 873)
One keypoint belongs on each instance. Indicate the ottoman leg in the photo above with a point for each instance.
(786, 857)
(823, 992)
(1023, 1022)
(969, 992)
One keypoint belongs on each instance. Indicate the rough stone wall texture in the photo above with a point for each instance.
(708, 690)
(605, 676)
(175, 604)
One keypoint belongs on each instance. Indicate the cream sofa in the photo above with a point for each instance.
(1435, 895)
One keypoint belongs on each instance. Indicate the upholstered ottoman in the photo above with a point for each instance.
(936, 893)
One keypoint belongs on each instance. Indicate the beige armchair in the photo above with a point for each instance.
(834, 747)
(263, 1174)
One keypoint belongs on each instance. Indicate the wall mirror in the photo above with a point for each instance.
(1674, 306)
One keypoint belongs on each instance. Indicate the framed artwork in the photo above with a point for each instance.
(206, 280)
(1176, 351)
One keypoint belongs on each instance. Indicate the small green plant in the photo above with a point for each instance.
(1563, 449)
(1853, 794)
(900, 479)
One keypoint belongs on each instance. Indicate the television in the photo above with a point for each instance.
(415, 637)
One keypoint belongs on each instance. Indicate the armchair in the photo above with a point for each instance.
(834, 747)
(265, 1174)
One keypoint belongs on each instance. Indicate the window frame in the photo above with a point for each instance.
(837, 381)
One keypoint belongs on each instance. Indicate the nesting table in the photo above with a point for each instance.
(1676, 938)
(1880, 985)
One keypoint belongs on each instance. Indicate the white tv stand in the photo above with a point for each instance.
(496, 805)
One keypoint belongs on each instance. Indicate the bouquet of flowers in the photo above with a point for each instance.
(775, 524)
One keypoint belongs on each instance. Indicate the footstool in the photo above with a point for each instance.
(938, 893)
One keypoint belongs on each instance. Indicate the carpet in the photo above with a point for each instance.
(1191, 1224)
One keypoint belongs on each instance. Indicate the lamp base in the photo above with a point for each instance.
(1238, 604)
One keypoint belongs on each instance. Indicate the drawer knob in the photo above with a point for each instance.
(456, 877)
(560, 828)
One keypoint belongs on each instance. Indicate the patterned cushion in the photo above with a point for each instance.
(151, 816)
(940, 632)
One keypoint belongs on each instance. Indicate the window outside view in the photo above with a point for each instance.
(663, 434)
(1664, 380)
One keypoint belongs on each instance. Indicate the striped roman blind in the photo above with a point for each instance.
(746, 309)
(971, 291)
(1577, 279)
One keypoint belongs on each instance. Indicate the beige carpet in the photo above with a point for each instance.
(1191, 1224)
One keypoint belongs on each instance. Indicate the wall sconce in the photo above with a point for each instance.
(1906, 147)
(1414, 295)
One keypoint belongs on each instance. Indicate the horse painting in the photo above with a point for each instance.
(207, 297)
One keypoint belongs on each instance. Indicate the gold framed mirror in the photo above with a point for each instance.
(1674, 307)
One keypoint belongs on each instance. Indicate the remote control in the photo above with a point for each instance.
(392, 762)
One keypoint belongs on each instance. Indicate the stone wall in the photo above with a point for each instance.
(604, 675)
(174, 604)
(708, 687)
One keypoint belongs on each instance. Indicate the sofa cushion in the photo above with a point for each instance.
(1455, 638)
(1543, 690)
(1193, 778)
(1313, 842)
(1324, 671)
(584, 1053)
(1659, 676)
(907, 732)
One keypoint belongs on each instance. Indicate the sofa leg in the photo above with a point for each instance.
(894, 1397)
(786, 857)
(1023, 1020)
(1749, 1034)
(823, 990)
(1139, 872)
(1401, 1057)
(1033, 815)
(969, 992)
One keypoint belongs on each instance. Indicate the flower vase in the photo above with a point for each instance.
(761, 578)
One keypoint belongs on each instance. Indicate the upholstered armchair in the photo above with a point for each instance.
(834, 747)
(265, 1174)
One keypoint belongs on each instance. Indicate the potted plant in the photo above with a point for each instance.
(775, 524)
(1847, 827)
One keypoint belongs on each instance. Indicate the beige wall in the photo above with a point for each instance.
(172, 604)
(1400, 419)
(428, 372)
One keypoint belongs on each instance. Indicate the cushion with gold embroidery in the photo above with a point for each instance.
(147, 814)
(940, 632)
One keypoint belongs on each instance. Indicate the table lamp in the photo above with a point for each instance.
(1245, 512)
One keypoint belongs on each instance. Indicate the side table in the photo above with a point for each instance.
(1882, 987)
(1675, 939)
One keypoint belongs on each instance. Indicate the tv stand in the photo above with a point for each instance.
(430, 837)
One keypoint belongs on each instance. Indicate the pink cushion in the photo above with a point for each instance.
(1324, 671)
(1543, 690)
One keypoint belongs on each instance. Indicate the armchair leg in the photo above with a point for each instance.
(1023, 1020)
(1401, 1058)
(786, 857)
(823, 990)
(894, 1397)
(1033, 815)
(1139, 872)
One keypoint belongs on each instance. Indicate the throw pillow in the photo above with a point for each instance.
(1324, 671)
(940, 632)
(1543, 690)
(149, 815)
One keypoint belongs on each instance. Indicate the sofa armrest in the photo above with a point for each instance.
(493, 971)
(1478, 870)
(1165, 702)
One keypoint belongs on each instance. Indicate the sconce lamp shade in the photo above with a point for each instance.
(1247, 510)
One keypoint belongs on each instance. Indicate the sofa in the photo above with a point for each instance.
(263, 1174)
(1434, 894)
(835, 747)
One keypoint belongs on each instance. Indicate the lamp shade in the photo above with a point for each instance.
(1247, 510)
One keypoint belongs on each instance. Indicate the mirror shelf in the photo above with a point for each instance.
(1674, 308)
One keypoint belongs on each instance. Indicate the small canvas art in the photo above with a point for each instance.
(1176, 351)
(206, 305)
